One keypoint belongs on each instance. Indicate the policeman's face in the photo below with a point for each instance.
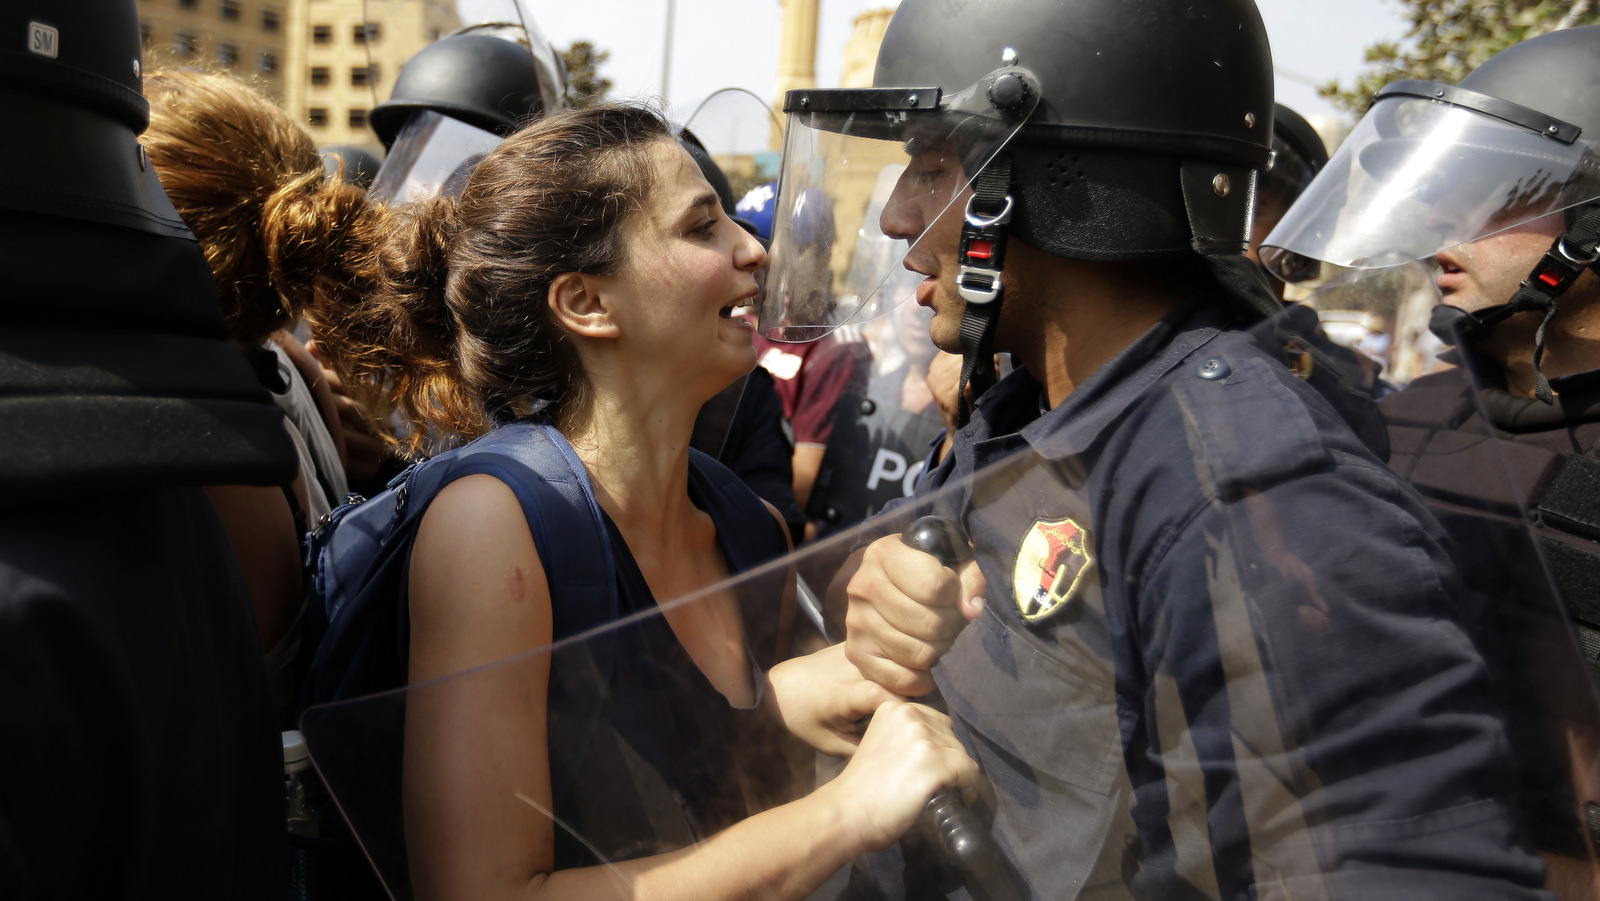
(925, 210)
(1488, 271)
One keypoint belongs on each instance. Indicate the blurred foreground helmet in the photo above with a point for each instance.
(1112, 129)
(453, 103)
(115, 370)
(1433, 166)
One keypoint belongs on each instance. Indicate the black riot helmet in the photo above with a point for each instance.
(1101, 130)
(1433, 166)
(76, 81)
(126, 380)
(484, 81)
(453, 103)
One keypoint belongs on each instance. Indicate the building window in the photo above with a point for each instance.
(361, 34)
(358, 118)
(185, 44)
(269, 20)
(360, 76)
(268, 64)
(322, 34)
(147, 35)
(230, 10)
(317, 116)
(228, 56)
(319, 76)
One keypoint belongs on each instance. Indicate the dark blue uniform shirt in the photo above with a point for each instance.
(1220, 654)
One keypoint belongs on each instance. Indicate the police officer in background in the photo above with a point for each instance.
(453, 103)
(1212, 649)
(1298, 154)
(1508, 206)
(136, 723)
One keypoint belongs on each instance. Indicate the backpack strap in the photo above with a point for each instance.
(534, 460)
(539, 466)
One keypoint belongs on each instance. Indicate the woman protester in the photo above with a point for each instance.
(277, 233)
(586, 279)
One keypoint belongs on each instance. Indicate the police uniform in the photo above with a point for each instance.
(1516, 483)
(1219, 654)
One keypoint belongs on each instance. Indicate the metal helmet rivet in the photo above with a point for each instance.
(136, 67)
(912, 100)
(1008, 92)
(1249, 120)
(1008, 56)
(1221, 184)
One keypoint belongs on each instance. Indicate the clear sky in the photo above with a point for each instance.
(721, 43)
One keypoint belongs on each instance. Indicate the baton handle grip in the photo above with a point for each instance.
(964, 843)
(938, 538)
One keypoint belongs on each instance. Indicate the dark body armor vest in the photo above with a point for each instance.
(1516, 483)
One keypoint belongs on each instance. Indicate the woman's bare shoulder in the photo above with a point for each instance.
(478, 591)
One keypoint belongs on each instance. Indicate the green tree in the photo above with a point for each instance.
(1447, 39)
(585, 84)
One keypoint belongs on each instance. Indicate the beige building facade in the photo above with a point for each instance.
(329, 62)
(246, 37)
(854, 180)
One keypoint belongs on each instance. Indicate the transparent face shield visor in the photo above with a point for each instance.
(433, 156)
(829, 266)
(1420, 175)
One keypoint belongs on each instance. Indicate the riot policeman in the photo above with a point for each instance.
(1183, 673)
(1496, 181)
(135, 696)
(454, 101)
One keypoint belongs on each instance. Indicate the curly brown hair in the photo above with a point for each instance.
(249, 183)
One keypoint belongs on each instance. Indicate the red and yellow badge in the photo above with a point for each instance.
(1051, 565)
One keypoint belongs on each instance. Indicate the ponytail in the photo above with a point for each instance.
(395, 347)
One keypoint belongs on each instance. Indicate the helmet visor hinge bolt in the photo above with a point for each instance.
(1221, 184)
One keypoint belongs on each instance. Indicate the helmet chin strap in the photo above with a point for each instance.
(983, 256)
(1567, 258)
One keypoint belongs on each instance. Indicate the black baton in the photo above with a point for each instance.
(964, 844)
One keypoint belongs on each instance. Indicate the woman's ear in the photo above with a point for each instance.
(576, 303)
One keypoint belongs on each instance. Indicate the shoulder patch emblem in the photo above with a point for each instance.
(1051, 565)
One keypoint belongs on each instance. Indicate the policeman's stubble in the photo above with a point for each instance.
(1064, 319)
(1494, 268)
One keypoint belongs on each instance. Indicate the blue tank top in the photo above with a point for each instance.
(667, 761)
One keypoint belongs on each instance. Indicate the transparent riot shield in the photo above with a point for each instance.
(1223, 652)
